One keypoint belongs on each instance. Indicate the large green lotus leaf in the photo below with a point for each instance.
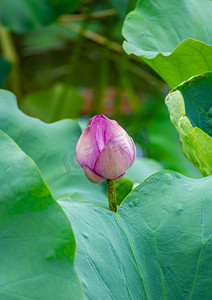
(23, 15)
(37, 245)
(174, 37)
(190, 108)
(52, 147)
(157, 246)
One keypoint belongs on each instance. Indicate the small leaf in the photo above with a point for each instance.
(123, 188)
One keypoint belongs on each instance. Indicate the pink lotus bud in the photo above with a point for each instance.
(105, 150)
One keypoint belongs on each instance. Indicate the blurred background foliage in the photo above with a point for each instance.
(64, 59)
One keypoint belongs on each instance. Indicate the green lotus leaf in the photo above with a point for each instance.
(174, 38)
(190, 108)
(157, 246)
(37, 245)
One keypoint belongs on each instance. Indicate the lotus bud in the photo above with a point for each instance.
(105, 150)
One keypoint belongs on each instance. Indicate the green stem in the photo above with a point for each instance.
(111, 191)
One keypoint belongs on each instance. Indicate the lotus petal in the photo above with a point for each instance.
(87, 150)
(92, 176)
(112, 162)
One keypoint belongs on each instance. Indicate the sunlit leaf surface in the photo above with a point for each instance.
(173, 38)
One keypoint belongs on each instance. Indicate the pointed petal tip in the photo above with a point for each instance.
(96, 118)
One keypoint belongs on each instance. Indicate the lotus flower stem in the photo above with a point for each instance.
(111, 191)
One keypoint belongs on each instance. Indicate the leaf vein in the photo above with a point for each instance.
(136, 259)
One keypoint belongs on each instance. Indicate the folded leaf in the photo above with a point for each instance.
(190, 108)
